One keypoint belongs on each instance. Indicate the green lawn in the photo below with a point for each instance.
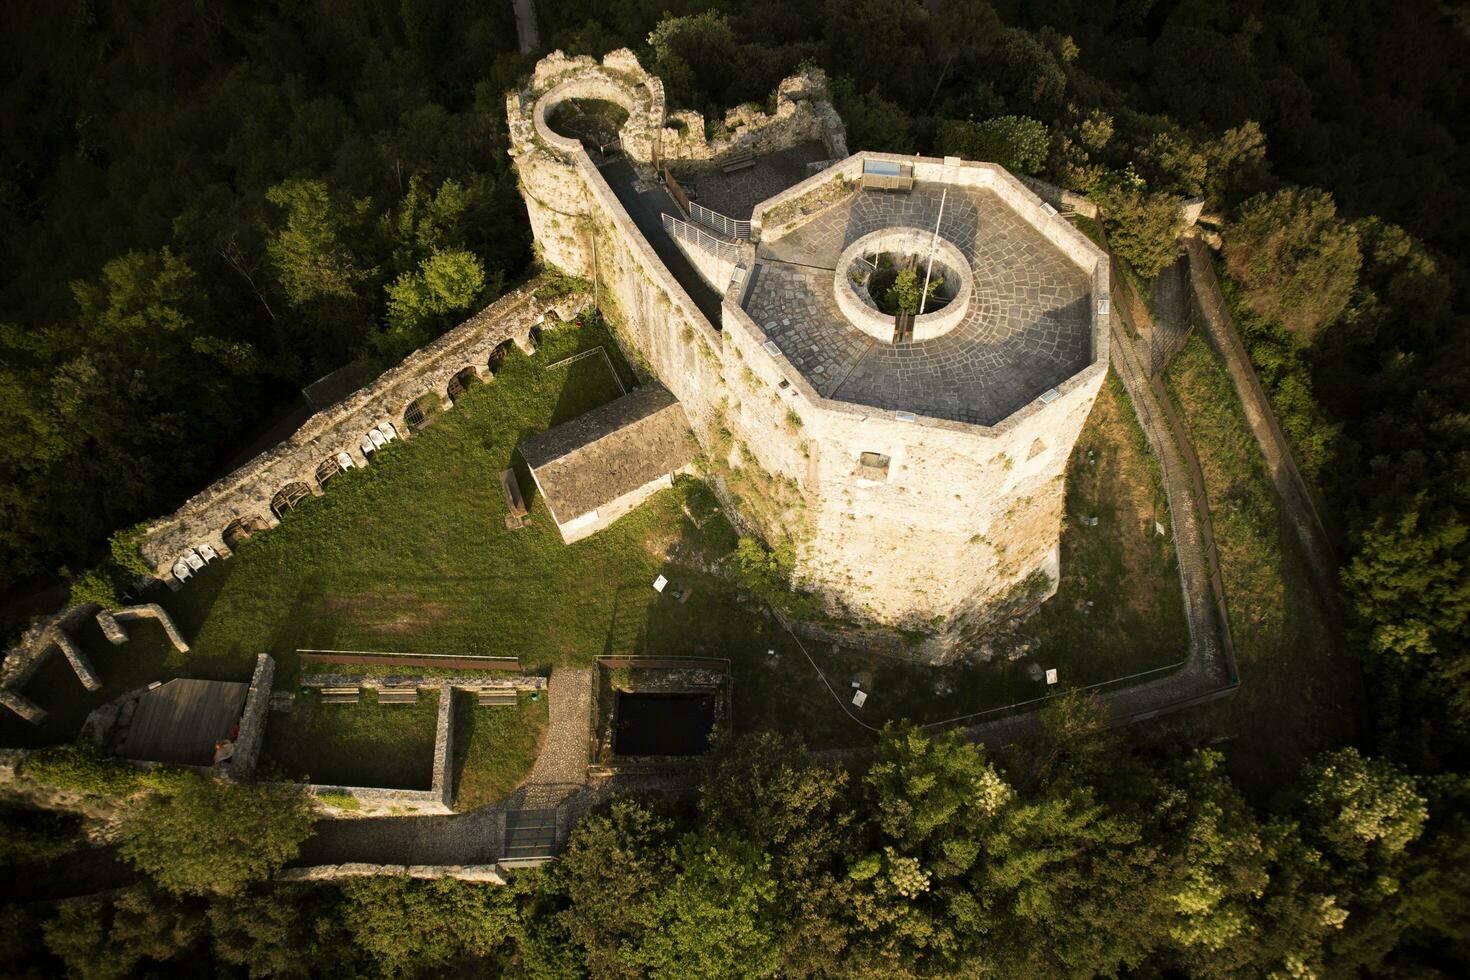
(412, 554)
(1300, 690)
(494, 748)
(1135, 623)
(362, 744)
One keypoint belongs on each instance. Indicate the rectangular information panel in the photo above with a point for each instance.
(881, 167)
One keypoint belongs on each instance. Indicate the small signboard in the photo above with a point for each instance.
(659, 583)
(1051, 675)
(859, 697)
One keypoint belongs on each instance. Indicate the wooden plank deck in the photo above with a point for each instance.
(180, 721)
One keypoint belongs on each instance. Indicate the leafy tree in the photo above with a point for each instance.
(1406, 583)
(407, 927)
(313, 249)
(872, 122)
(766, 789)
(1363, 812)
(1142, 227)
(110, 938)
(36, 836)
(1298, 261)
(281, 931)
(1017, 143)
(961, 29)
(1218, 852)
(715, 918)
(205, 836)
(612, 861)
(903, 295)
(449, 282)
(696, 56)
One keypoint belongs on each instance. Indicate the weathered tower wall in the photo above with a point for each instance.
(964, 514)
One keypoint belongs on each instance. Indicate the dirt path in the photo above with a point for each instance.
(527, 35)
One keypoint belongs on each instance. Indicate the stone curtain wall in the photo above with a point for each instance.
(241, 765)
(35, 645)
(245, 494)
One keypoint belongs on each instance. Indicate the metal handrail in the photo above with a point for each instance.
(719, 247)
(729, 227)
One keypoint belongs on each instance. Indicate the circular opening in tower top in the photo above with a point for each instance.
(903, 285)
(897, 282)
(596, 122)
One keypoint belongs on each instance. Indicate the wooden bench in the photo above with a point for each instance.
(497, 697)
(398, 695)
(340, 695)
(738, 162)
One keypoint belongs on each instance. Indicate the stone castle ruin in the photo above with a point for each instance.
(912, 463)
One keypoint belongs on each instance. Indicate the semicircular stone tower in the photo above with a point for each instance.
(887, 359)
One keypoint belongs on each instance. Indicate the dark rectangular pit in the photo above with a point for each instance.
(662, 724)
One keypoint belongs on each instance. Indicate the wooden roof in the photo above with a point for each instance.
(180, 721)
(595, 458)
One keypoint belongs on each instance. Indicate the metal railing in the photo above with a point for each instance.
(728, 227)
(718, 247)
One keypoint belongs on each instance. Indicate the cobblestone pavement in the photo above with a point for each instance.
(736, 195)
(1029, 326)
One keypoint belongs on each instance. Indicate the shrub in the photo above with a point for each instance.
(1018, 143)
(82, 769)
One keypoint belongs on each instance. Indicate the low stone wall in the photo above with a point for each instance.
(490, 874)
(375, 801)
(111, 620)
(35, 645)
(243, 498)
(241, 765)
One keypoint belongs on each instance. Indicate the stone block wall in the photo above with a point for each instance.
(245, 495)
(967, 513)
(241, 765)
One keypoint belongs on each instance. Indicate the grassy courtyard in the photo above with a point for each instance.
(364, 744)
(494, 747)
(412, 554)
(1300, 690)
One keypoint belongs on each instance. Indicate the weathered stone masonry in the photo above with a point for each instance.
(967, 511)
(242, 500)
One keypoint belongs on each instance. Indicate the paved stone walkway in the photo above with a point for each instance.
(1029, 326)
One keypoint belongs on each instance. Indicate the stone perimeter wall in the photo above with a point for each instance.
(376, 801)
(245, 494)
(980, 510)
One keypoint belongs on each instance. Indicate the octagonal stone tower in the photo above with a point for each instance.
(915, 463)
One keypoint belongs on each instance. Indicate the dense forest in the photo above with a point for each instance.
(208, 206)
(1069, 857)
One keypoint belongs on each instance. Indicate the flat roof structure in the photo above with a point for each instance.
(597, 458)
(180, 721)
(1027, 326)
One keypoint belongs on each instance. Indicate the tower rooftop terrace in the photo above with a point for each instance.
(1027, 326)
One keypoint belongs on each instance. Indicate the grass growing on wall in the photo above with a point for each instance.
(1300, 691)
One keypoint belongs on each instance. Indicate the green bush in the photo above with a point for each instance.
(1018, 143)
(81, 768)
(36, 836)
